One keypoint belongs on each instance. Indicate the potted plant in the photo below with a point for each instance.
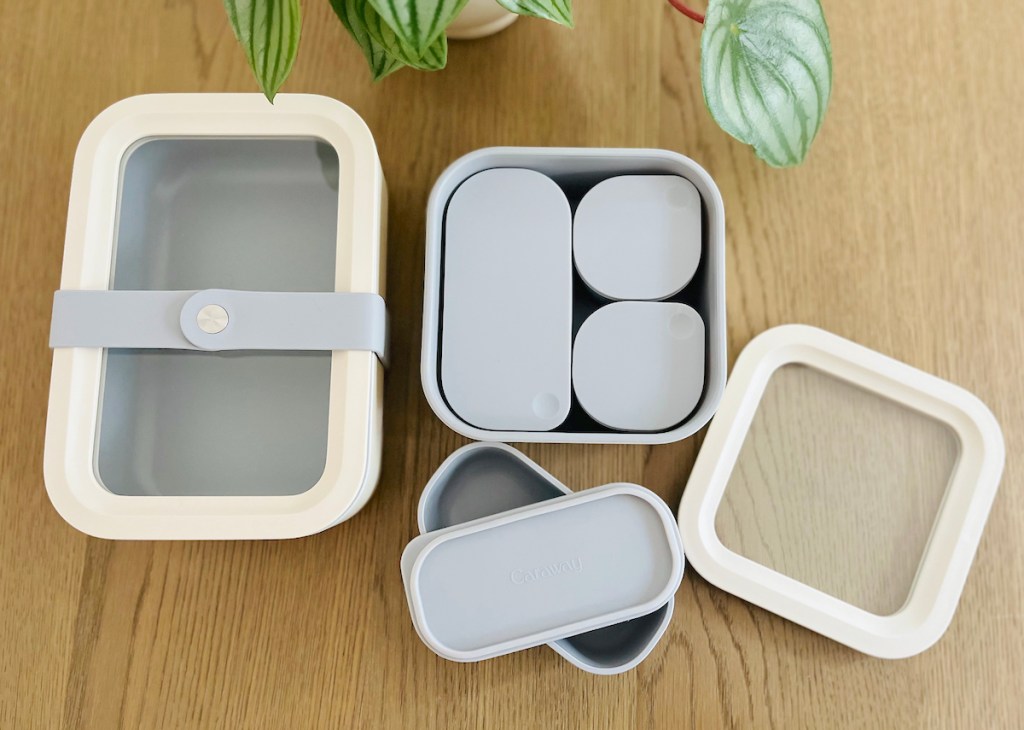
(766, 65)
(480, 18)
(766, 71)
(391, 35)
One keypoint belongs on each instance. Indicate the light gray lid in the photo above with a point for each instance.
(483, 479)
(578, 170)
(541, 573)
(507, 302)
(638, 237)
(639, 366)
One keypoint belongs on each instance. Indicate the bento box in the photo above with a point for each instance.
(574, 295)
(220, 332)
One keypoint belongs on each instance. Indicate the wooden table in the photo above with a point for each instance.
(904, 231)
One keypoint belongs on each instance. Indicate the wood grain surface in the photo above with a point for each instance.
(904, 231)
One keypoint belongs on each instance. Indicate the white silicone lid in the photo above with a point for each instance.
(638, 237)
(842, 490)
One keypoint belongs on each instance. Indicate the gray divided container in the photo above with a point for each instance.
(482, 480)
(576, 172)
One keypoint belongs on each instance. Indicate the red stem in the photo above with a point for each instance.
(691, 14)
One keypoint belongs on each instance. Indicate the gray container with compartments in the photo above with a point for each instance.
(480, 367)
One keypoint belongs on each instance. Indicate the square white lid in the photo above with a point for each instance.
(842, 490)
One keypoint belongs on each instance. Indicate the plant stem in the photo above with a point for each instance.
(689, 13)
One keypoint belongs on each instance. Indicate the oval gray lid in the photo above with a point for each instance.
(539, 573)
(506, 333)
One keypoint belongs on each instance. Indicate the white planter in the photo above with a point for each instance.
(478, 19)
(176, 202)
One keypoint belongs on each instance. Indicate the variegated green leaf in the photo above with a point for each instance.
(435, 57)
(269, 33)
(766, 69)
(559, 11)
(418, 23)
(350, 12)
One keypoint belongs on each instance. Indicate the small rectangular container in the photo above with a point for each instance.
(220, 328)
(541, 573)
(638, 237)
(542, 417)
(507, 323)
(484, 479)
(639, 366)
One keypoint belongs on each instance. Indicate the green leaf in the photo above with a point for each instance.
(350, 12)
(766, 69)
(559, 11)
(269, 33)
(435, 57)
(418, 23)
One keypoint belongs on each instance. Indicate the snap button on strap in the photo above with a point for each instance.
(212, 319)
(223, 319)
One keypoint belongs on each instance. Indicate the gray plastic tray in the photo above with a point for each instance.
(248, 214)
(480, 480)
(541, 573)
(577, 171)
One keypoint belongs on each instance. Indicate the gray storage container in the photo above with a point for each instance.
(481, 480)
(597, 605)
(500, 367)
(639, 366)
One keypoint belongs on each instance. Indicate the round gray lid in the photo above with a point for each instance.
(639, 366)
(638, 236)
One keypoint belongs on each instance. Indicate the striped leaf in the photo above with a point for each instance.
(766, 69)
(559, 11)
(269, 33)
(435, 57)
(350, 12)
(418, 23)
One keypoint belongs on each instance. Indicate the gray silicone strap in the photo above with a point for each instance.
(219, 319)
